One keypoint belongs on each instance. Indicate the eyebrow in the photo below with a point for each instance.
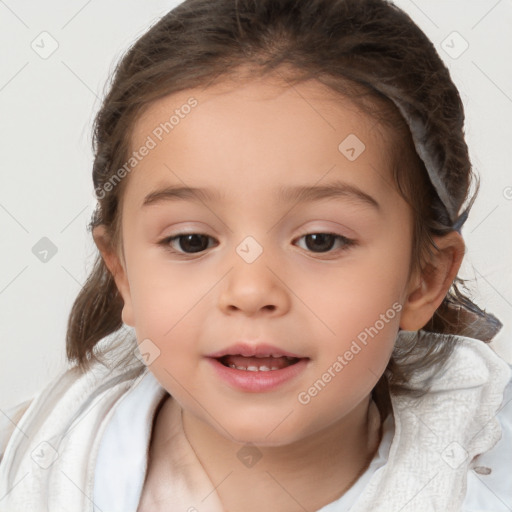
(332, 190)
(298, 194)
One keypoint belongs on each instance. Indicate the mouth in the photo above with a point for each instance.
(257, 368)
(264, 363)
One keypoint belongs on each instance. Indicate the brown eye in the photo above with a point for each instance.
(188, 243)
(324, 242)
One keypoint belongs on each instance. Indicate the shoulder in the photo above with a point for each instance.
(17, 423)
(9, 420)
(61, 426)
(70, 396)
(489, 484)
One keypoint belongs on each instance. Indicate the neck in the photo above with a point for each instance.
(306, 474)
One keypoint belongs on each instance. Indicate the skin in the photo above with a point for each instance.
(247, 141)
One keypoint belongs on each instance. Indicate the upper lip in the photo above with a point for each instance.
(248, 350)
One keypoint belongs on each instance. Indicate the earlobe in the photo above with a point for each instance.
(116, 268)
(428, 289)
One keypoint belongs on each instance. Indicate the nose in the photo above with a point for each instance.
(254, 289)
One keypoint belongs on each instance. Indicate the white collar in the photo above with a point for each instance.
(438, 435)
(421, 464)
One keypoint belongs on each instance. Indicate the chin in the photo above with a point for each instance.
(269, 432)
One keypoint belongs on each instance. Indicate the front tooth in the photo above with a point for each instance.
(262, 368)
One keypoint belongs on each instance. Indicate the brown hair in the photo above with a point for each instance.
(356, 48)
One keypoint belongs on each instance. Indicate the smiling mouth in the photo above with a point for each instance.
(257, 363)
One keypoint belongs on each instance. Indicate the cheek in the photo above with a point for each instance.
(360, 315)
(163, 293)
(358, 294)
(169, 304)
(167, 316)
(349, 366)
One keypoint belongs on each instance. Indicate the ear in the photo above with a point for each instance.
(117, 268)
(428, 288)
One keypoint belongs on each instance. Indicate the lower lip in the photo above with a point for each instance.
(259, 381)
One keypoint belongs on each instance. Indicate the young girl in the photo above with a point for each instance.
(281, 188)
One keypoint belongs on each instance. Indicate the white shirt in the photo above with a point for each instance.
(123, 454)
(120, 466)
(81, 445)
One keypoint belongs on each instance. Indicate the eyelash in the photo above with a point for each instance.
(347, 243)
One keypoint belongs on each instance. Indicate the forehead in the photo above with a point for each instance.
(311, 101)
(256, 134)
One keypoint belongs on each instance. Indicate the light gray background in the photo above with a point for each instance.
(47, 107)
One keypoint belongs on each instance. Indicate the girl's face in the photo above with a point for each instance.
(301, 246)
